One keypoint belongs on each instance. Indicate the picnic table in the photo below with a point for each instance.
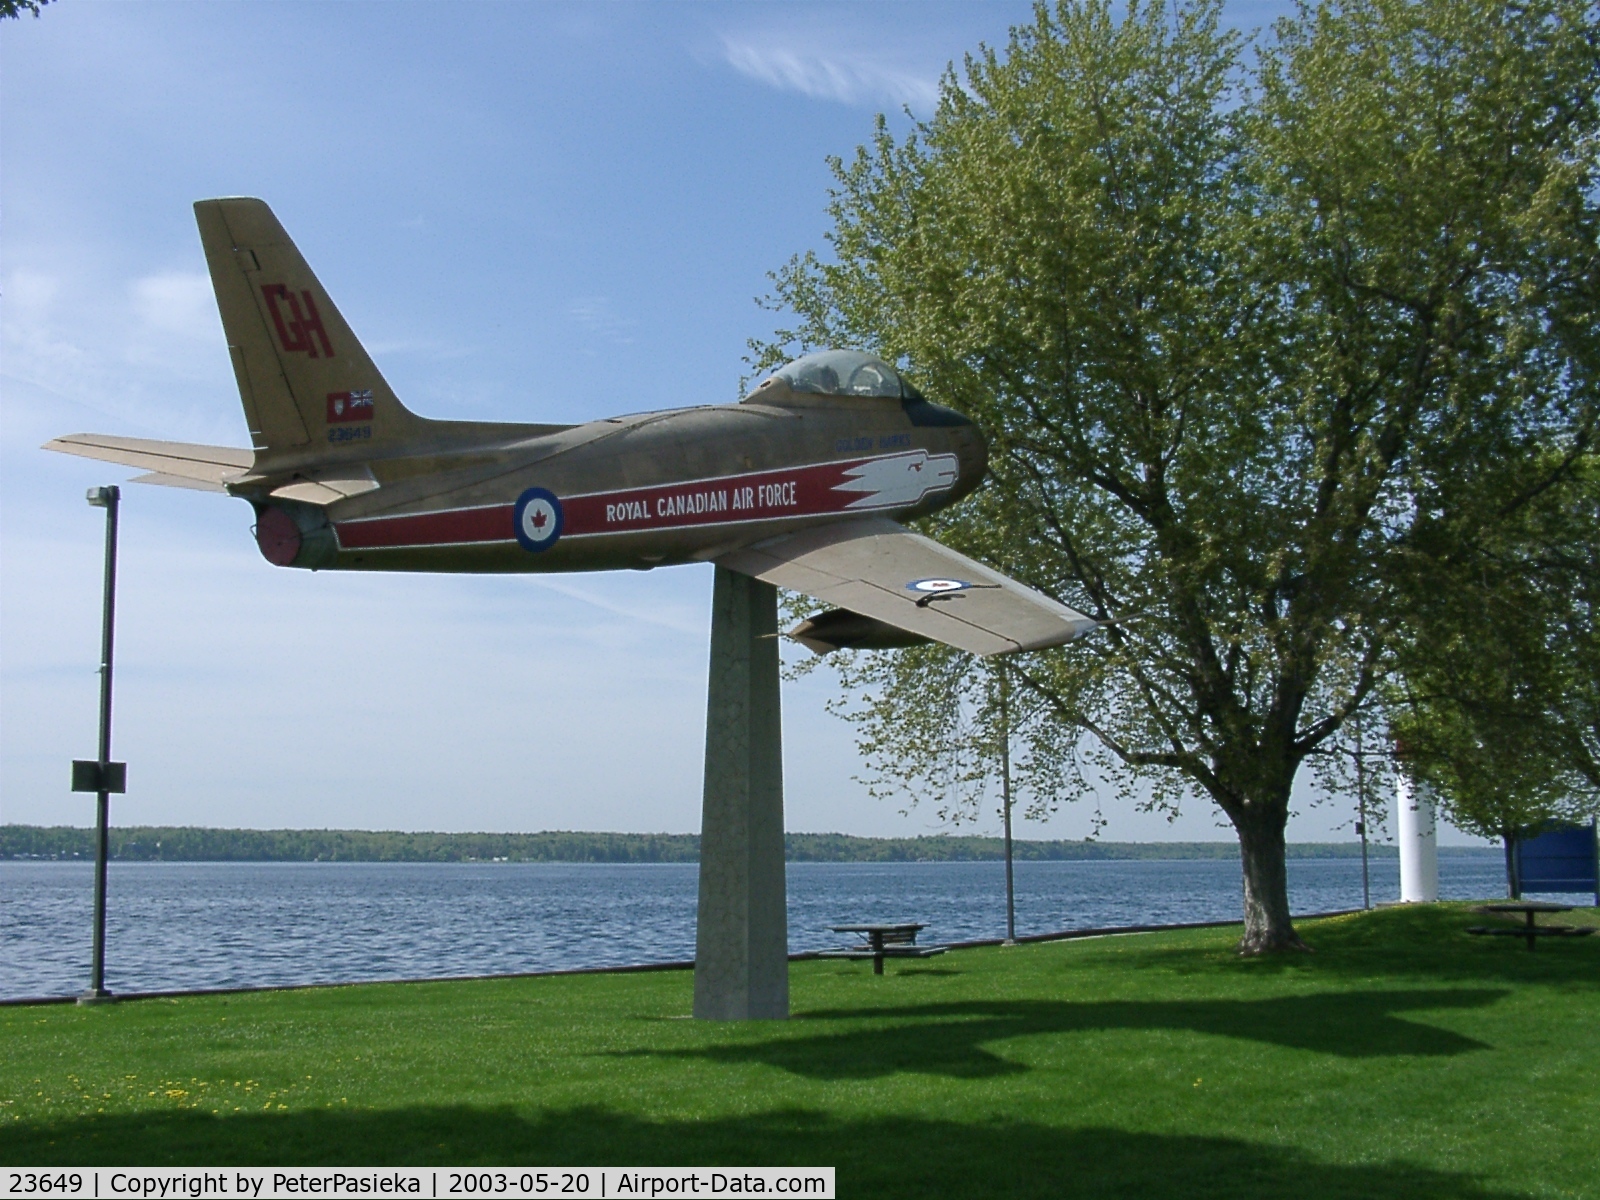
(1532, 931)
(883, 941)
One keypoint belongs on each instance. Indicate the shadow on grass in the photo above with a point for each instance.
(949, 1039)
(928, 971)
(1410, 941)
(886, 1156)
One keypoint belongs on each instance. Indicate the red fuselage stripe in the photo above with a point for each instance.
(758, 496)
(448, 528)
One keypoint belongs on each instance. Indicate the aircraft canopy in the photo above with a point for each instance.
(846, 373)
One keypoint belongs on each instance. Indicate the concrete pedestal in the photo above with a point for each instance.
(1418, 843)
(741, 961)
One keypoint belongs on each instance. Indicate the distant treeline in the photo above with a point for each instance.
(188, 844)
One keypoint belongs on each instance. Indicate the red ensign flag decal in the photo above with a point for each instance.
(347, 407)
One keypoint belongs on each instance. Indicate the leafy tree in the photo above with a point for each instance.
(15, 8)
(947, 745)
(1256, 340)
(1499, 701)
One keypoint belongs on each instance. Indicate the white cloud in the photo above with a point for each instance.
(31, 333)
(177, 303)
(599, 316)
(679, 620)
(142, 356)
(29, 295)
(862, 78)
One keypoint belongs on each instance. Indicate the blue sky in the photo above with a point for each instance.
(538, 212)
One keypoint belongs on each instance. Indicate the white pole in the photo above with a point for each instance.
(1005, 793)
(1419, 847)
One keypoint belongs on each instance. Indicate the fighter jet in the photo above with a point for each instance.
(805, 483)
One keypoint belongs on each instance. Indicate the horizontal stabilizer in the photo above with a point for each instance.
(875, 568)
(207, 468)
(325, 485)
(162, 479)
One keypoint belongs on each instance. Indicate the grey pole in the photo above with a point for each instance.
(108, 499)
(741, 959)
(1005, 799)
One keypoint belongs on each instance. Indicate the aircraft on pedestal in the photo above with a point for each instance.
(805, 483)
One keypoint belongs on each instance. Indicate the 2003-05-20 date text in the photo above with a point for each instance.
(535, 1183)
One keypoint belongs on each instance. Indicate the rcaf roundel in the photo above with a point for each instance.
(538, 519)
(932, 587)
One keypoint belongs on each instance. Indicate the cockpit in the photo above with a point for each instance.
(846, 373)
(852, 374)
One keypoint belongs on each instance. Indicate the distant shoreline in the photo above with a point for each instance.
(149, 843)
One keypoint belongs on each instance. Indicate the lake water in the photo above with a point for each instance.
(208, 925)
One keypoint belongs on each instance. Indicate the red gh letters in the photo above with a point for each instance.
(295, 333)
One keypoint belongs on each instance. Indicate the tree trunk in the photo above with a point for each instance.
(1267, 926)
(1513, 884)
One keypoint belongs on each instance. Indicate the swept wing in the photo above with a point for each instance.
(879, 570)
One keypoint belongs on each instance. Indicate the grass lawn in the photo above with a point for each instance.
(1402, 1059)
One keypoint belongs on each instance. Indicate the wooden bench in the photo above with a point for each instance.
(879, 942)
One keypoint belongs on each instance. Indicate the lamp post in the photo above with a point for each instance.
(102, 776)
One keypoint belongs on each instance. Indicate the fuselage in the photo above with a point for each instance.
(638, 491)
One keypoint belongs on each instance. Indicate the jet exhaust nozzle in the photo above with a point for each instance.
(294, 535)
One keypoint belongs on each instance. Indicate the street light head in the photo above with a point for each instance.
(101, 497)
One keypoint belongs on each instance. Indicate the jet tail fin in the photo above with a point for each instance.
(306, 383)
